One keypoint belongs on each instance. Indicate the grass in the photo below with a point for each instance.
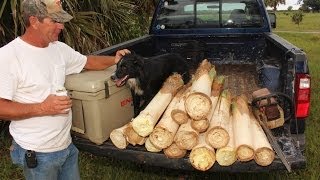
(310, 22)
(310, 43)
(93, 167)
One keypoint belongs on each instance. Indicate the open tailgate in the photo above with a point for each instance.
(139, 154)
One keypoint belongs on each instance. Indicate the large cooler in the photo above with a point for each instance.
(98, 105)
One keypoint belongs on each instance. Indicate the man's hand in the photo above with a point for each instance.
(119, 55)
(53, 105)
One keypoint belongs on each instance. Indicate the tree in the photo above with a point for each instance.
(304, 8)
(96, 24)
(274, 3)
(313, 4)
(297, 17)
(290, 8)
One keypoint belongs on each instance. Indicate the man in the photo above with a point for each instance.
(32, 67)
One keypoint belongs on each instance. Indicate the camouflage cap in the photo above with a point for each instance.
(46, 8)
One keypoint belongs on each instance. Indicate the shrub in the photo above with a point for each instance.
(297, 17)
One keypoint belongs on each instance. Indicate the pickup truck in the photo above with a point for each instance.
(236, 36)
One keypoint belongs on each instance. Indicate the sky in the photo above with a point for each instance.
(292, 3)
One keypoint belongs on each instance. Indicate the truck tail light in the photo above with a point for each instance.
(302, 89)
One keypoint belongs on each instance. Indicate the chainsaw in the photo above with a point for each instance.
(268, 109)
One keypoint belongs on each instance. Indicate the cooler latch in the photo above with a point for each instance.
(106, 89)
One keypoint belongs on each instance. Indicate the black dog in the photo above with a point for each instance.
(145, 76)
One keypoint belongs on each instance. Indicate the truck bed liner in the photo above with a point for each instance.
(240, 79)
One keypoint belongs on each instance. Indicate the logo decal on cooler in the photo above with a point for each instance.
(126, 101)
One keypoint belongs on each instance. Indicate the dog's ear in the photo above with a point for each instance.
(124, 56)
(133, 52)
(138, 60)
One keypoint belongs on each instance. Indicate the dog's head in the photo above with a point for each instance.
(128, 67)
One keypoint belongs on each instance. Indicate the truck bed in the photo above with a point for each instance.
(241, 79)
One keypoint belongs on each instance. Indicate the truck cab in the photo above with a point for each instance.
(210, 16)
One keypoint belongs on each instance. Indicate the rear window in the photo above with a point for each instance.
(180, 14)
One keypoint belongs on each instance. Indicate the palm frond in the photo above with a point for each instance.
(4, 3)
(83, 33)
(96, 23)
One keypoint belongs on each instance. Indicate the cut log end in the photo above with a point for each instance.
(132, 137)
(245, 153)
(150, 147)
(200, 125)
(202, 158)
(161, 138)
(179, 116)
(118, 139)
(264, 156)
(226, 156)
(142, 124)
(198, 105)
(173, 151)
(186, 140)
(217, 137)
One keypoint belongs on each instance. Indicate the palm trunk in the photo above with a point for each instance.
(164, 132)
(179, 114)
(217, 135)
(132, 137)
(226, 155)
(202, 156)
(242, 129)
(217, 86)
(150, 147)
(198, 103)
(186, 137)
(118, 137)
(144, 123)
(264, 154)
(173, 151)
(200, 125)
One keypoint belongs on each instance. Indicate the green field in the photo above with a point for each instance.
(310, 22)
(93, 167)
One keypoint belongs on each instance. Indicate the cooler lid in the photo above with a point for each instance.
(92, 81)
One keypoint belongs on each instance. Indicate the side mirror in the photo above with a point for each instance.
(273, 19)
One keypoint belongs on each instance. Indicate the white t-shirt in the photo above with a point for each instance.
(28, 74)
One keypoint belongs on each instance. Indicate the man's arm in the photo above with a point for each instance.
(102, 62)
(52, 105)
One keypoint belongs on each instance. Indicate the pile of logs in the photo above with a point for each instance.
(200, 117)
